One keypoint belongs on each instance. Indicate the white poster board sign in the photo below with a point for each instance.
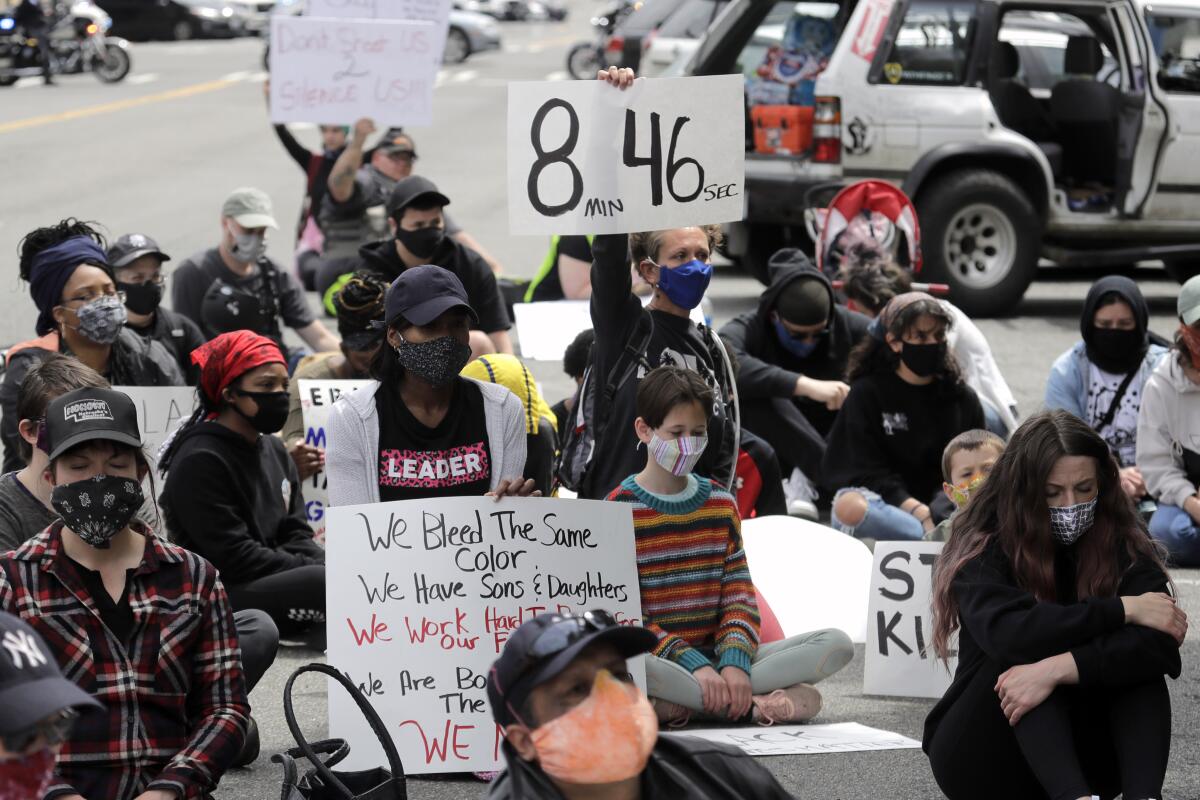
(435, 11)
(900, 658)
(803, 740)
(423, 594)
(159, 410)
(584, 157)
(316, 400)
(333, 71)
(545, 329)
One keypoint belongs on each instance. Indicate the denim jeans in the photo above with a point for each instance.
(1172, 526)
(883, 522)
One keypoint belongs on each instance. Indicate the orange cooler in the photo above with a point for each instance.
(783, 130)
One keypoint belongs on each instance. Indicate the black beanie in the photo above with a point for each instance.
(804, 301)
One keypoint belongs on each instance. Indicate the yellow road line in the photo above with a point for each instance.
(117, 105)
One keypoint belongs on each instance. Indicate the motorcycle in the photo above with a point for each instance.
(585, 59)
(78, 41)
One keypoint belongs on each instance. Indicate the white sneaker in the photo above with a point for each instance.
(801, 496)
(804, 510)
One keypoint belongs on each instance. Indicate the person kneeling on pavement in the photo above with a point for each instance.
(576, 726)
(792, 354)
(697, 595)
(232, 491)
(145, 625)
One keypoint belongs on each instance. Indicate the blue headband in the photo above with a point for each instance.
(51, 270)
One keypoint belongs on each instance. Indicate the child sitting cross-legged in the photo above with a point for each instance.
(966, 462)
(697, 595)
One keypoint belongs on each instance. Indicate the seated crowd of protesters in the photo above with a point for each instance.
(892, 415)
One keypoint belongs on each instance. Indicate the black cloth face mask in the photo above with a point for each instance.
(925, 360)
(142, 298)
(272, 410)
(437, 362)
(97, 509)
(421, 243)
(1115, 350)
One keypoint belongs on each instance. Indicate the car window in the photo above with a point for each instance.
(774, 27)
(1041, 42)
(691, 20)
(933, 45)
(647, 16)
(1176, 40)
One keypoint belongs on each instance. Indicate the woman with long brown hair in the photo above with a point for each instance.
(1065, 630)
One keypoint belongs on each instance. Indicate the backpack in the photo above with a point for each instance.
(594, 399)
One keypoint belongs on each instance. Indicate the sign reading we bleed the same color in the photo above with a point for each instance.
(423, 594)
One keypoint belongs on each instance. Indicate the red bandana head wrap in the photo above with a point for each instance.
(230, 356)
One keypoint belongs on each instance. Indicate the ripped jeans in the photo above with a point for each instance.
(882, 522)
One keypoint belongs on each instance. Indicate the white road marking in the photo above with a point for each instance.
(465, 75)
(559, 75)
(137, 80)
(236, 76)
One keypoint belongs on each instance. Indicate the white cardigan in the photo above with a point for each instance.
(352, 451)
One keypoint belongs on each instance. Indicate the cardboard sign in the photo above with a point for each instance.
(159, 410)
(812, 576)
(435, 11)
(316, 400)
(900, 658)
(333, 72)
(585, 157)
(545, 329)
(794, 740)
(875, 16)
(423, 594)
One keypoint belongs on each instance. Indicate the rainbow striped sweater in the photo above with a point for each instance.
(697, 595)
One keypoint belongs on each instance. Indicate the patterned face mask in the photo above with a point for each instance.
(97, 509)
(960, 493)
(1068, 523)
(101, 320)
(678, 456)
(437, 362)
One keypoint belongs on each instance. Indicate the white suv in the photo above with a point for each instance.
(1022, 129)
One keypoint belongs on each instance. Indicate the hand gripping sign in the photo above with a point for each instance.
(586, 157)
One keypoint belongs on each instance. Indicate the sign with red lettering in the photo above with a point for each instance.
(335, 71)
(316, 399)
(422, 595)
(870, 30)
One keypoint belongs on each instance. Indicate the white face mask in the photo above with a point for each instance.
(248, 247)
(678, 456)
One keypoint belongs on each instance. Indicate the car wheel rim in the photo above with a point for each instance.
(980, 246)
(456, 48)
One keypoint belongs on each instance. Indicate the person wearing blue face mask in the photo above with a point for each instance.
(792, 352)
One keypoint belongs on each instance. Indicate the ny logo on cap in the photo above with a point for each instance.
(21, 644)
(84, 410)
(137, 240)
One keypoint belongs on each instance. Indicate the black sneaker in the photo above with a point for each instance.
(250, 748)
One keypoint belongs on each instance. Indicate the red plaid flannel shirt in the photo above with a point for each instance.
(175, 698)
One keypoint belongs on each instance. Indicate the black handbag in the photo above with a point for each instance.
(322, 782)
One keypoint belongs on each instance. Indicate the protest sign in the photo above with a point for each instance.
(544, 329)
(584, 157)
(803, 740)
(159, 410)
(435, 11)
(333, 71)
(900, 658)
(423, 594)
(316, 400)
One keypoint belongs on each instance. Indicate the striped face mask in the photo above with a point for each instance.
(678, 456)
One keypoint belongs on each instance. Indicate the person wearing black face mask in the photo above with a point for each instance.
(907, 401)
(418, 223)
(137, 263)
(420, 429)
(232, 491)
(1100, 379)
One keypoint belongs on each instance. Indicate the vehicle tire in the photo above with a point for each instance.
(982, 236)
(458, 46)
(114, 66)
(1182, 270)
(183, 30)
(583, 61)
(7, 80)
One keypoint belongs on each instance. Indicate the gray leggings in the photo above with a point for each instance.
(807, 658)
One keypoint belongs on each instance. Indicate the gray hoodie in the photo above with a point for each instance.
(1168, 424)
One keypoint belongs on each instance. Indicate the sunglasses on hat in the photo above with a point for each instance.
(54, 729)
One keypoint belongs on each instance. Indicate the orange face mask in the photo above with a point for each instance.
(605, 739)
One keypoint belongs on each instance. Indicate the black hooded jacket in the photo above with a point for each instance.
(679, 767)
(238, 504)
(477, 278)
(767, 369)
(1129, 292)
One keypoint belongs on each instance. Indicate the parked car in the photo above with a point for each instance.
(624, 46)
(176, 19)
(257, 14)
(678, 36)
(498, 9)
(1022, 129)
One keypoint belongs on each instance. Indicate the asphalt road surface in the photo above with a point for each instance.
(158, 153)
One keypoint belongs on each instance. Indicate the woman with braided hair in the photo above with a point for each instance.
(359, 305)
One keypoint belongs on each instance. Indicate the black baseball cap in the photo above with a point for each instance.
(31, 685)
(132, 246)
(409, 190)
(422, 294)
(87, 414)
(546, 645)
